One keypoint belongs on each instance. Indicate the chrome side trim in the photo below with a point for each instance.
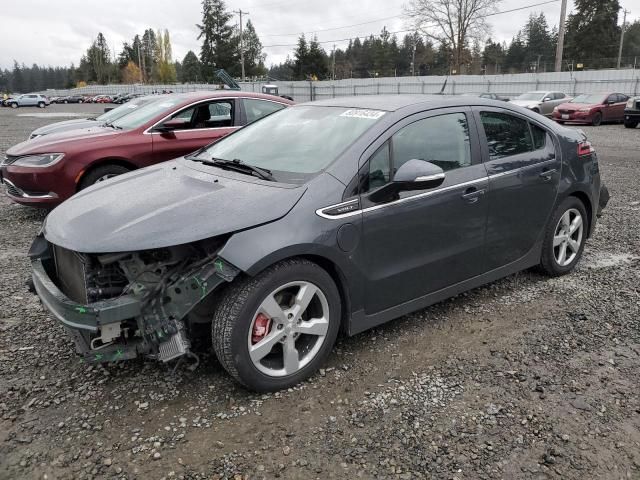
(149, 132)
(521, 169)
(320, 212)
(428, 178)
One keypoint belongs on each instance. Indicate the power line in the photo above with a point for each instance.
(333, 28)
(411, 30)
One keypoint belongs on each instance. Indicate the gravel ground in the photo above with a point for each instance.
(525, 378)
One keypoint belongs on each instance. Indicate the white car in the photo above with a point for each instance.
(542, 102)
(29, 100)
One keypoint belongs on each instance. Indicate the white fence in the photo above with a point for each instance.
(572, 83)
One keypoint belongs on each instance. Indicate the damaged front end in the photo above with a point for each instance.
(124, 305)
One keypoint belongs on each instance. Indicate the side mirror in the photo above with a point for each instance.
(171, 125)
(546, 99)
(412, 175)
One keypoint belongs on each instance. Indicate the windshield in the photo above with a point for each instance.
(537, 96)
(123, 110)
(589, 98)
(295, 143)
(143, 114)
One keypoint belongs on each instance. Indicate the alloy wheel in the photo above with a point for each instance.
(106, 177)
(567, 239)
(288, 329)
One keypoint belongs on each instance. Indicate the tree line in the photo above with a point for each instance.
(591, 42)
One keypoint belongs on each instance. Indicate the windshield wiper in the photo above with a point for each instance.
(238, 166)
(115, 127)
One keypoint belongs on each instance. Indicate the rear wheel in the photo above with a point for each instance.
(597, 120)
(41, 105)
(101, 173)
(565, 238)
(274, 330)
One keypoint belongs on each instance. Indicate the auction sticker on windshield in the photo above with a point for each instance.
(368, 114)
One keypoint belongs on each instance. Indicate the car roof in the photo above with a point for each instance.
(392, 103)
(203, 95)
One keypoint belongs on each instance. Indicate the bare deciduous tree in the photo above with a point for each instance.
(454, 23)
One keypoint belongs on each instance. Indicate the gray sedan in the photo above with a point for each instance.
(542, 102)
(332, 216)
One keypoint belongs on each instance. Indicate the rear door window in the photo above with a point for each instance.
(256, 109)
(506, 134)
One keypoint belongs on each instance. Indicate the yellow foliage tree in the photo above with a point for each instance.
(81, 83)
(131, 73)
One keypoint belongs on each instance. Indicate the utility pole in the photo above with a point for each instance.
(240, 12)
(140, 63)
(333, 63)
(561, 32)
(413, 59)
(624, 26)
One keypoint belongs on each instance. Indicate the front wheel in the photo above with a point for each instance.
(630, 124)
(101, 174)
(14, 105)
(565, 238)
(274, 330)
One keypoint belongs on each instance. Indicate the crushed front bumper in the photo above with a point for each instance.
(126, 327)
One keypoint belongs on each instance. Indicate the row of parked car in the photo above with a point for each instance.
(588, 109)
(280, 225)
(42, 101)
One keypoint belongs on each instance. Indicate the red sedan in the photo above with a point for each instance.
(47, 170)
(592, 109)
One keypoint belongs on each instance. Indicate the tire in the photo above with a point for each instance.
(41, 105)
(14, 105)
(236, 313)
(630, 124)
(536, 110)
(100, 174)
(549, 260)
(66, 101)
(597, 120)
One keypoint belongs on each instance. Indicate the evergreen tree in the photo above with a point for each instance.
(253, 56)
(540, 43)
(219, 45)
(191, 68)
(515, 59)
(593, 34)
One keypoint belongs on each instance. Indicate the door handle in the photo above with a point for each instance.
(472, 195)
(547, 173)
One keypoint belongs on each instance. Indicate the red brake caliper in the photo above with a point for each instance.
(261, 328)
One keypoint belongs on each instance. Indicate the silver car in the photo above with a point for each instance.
(541, 101)
(29, 100)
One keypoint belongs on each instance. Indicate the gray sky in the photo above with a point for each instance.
(57, 32)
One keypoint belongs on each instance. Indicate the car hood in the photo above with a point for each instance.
(576, 106)
(168, 204)
(59, 141)
(64, 126)
(526, 103)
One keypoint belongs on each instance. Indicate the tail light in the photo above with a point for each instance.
(585, 148)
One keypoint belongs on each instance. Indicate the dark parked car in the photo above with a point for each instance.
(632, 113)
(493, 96)
(73, 99)
(49, 169)
(78, 123)
(592, 109)
(336, 215)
